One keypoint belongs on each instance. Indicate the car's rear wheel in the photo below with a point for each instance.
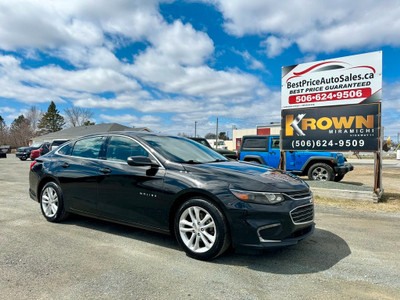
(52, 204)
(321, 172)
(201, 229)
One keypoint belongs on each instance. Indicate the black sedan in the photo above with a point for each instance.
(173, 185)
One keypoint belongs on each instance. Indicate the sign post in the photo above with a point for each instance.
(334, 105)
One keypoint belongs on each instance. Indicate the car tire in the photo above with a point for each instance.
(201, 229)
(52, 203)
(22, 158)
(338, 177)
(321, 172)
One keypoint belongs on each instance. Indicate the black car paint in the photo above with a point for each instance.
(148, 197)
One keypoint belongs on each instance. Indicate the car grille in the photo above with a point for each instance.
(302, 214)
(299, 195)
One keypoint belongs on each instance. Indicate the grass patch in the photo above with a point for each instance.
(390, 202)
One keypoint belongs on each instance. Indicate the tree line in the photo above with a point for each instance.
(36, 122)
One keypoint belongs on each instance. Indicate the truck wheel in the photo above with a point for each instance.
(321, 172)
(339, 177)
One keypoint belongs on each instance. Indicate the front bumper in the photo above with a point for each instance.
(257, 226)
(23, 154)
(347, 167)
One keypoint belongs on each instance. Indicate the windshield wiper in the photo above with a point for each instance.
(218, 160)
(191, 161)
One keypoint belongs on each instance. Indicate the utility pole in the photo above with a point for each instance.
(195, 128)
(216, 136)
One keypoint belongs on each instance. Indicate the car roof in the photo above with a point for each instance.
(129, 133)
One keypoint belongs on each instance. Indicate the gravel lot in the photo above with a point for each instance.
(353, 254)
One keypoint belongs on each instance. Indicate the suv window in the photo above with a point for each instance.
(255, 144)
(120, 148)
(275, 143)
(89, 147)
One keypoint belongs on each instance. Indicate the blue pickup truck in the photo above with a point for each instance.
(317, 165)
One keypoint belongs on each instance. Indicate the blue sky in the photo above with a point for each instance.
(167, 64)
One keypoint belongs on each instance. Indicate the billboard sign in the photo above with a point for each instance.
(352, 79)
(341, 128)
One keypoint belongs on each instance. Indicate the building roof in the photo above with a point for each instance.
(75, 132)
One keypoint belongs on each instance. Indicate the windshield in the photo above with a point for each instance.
(182, 150)
(36, 145)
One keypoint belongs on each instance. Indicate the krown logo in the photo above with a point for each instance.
(350, 124)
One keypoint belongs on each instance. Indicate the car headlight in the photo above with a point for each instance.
(258, 197)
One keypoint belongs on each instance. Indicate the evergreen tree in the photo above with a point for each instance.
(51, 121)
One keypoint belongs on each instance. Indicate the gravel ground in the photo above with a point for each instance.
(352, 255)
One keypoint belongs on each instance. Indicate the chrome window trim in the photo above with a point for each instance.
(149, 150)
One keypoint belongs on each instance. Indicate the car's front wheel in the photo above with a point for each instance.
(201, 229)
(51, 203)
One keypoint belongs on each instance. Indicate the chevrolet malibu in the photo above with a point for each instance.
(176, 186)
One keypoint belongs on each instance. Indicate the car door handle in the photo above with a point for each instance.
(65, 165)
(105, 170)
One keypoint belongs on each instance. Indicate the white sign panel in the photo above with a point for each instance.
(347, 80)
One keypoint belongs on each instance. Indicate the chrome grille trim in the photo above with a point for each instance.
(303, 214)
(305, 195)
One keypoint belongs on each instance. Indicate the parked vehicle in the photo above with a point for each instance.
(25, 152)
(317, 165)
(227, 153)
(173, 185)
(56, 143)
(39, 152)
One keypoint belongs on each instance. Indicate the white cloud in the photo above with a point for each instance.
(132, 120)
(252, 63)
(275, 46)
(182, 44)
(316, 26)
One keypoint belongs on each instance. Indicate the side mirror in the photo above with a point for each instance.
(141, 161)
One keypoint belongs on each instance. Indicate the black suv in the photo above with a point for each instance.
(24, 152)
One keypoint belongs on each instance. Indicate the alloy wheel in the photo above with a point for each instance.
(197, 229)
(50, 202)
(320, 174)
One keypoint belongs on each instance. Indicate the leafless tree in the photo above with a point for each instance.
(33, 116)
(76, 116)
(20, 132)
(4, 136)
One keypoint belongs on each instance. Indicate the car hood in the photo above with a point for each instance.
(23, 149)
(248, 176)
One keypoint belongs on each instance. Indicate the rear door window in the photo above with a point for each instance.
(89, 147)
